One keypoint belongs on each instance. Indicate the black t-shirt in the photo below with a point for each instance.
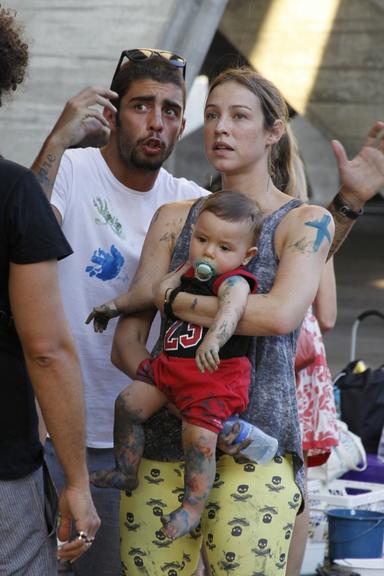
(183, 338)
(29, 233)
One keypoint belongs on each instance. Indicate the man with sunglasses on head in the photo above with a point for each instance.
(105, 199)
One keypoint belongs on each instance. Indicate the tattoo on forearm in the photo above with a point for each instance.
(322, 231)
(194, 304)
(43, 173)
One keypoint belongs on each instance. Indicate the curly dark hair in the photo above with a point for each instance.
(13, 52)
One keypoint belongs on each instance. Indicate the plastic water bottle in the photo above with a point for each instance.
(262, 447)
(380, 450)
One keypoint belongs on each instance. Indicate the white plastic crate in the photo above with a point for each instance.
(314, 556)
(340, 494)
(364, 566)
(345, 493)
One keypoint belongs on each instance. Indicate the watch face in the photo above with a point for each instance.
(345, 210)
(348, 212)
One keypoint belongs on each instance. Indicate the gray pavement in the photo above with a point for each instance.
(359, 269)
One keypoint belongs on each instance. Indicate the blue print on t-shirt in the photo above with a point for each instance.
(106, 265)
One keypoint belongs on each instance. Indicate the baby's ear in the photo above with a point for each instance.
(251, 252)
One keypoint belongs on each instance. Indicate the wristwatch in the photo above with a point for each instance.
(342, 208)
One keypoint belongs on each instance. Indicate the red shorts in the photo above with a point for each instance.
(205, 400)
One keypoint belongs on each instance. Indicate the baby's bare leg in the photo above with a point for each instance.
(133, 406)
(200, 467)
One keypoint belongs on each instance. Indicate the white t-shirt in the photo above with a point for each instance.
(105, 222)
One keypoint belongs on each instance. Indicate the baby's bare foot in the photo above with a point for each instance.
(113, 478)
(180, 522)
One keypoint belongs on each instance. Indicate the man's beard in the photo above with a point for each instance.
(131, 155)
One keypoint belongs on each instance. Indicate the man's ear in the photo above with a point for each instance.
(182, 127)
(251, 252)
(110, 117)
(276, 132)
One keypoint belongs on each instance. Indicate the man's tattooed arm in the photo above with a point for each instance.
(45, 168)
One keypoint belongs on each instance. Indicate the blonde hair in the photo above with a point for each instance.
(284, 152)
(301, 190)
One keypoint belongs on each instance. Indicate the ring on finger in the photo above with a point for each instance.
(81, 535)
(89, 540)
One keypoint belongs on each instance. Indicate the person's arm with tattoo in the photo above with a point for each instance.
(302, 242)
(79, 120)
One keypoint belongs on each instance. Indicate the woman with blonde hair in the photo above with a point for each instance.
(248, 522)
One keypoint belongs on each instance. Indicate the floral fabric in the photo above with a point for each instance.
(315, 399)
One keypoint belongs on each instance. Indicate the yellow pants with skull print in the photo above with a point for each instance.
(246, 526)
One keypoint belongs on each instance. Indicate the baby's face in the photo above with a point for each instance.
(220, 244)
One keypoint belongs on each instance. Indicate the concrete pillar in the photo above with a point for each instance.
(190, 28)
(75, 44)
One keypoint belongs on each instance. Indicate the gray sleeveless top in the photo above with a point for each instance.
(272, 393)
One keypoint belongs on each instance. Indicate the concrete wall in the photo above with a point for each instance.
(328, 60)
(74, 43)
(326, 57)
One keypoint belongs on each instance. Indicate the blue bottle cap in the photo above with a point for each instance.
(204, 271)
(243, 433)
(243, 428)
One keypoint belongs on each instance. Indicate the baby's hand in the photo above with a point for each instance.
(226, 441)
(207, 356)
(101, 315)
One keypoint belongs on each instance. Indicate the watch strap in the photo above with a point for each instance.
(168, 302)
(344, 209)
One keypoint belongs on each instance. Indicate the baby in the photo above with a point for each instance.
(204, 372)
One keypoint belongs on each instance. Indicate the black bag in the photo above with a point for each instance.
(362, 395)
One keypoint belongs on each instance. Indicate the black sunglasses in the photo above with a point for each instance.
(140, 54)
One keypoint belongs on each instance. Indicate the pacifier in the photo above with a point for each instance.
(204, 271)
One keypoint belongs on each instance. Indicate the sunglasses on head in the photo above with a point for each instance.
(140, 54)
